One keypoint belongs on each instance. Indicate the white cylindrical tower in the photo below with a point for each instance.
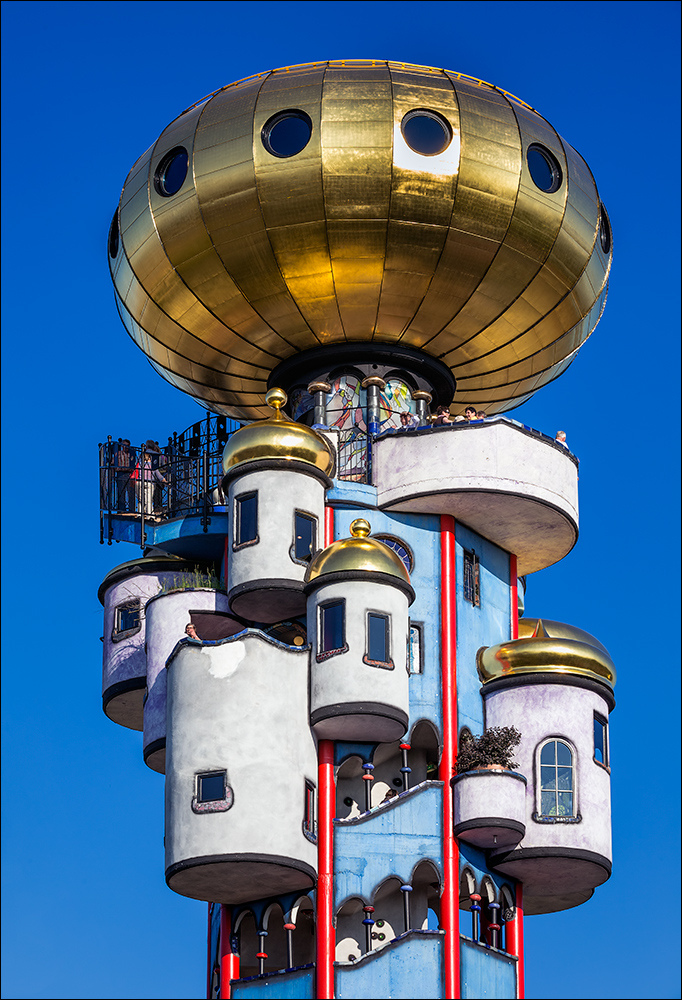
(358, 595)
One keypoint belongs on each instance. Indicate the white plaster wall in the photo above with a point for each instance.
(541, 711)
(280, 494)
(166, 618)
(344, 677)
(490, 794)
(240, 705)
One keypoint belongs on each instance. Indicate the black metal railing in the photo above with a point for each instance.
(155, 482)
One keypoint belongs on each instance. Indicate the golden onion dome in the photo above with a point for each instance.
(358, 554)
(277, 437)
(358, 201)
(546, 646)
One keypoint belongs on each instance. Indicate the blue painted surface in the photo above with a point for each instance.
(291, 984)
(389, 840)
(421, 532)
(479, 626)
(471, 857)
(411, 967)
(485, 972)
(182, 536)
(345, 492)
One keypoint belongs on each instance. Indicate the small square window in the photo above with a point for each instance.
(332, 629)
(127, 618)
(601, 750)
(211, 786)
(246, 519)
(472, 578)
(305, 536)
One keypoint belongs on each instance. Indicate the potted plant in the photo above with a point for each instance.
(493, 750)
(489, 795)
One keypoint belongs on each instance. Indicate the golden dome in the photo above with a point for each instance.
(410, 206)
(359, 553)
(278, 437)
(547, 647)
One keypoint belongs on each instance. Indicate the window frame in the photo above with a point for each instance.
(309, 825)
(307, 516)
(387, 664)
(202, 806)
(419, 629)
(237, 544)
(600, 720)
(469, 556)
(118, 633)
(539, 816)
(325, 654)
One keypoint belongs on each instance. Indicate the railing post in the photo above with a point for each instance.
(368, 778)
(405, 770)
(475, 911)
(290, 928)
(406, 890)
(369, 924)
(205, 520)
(141, 485)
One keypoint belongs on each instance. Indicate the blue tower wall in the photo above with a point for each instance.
(391, 971)
(485, 972)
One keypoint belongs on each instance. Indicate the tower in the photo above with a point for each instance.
(356, 259)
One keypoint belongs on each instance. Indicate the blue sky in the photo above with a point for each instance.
(87, 88)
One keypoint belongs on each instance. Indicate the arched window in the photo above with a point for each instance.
(557, 780)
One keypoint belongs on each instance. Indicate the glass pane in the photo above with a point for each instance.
(377, 639)
(415, 650)
(599, 741)
(175, 173)
(305, 537)
(565, 778)
(332, 627)
(565, 803)
(547, 777)
(563, 754)
(288, 134)
(212, 787)
(247, 519)
(548, 804)
(548, 753)
(128, 618)
(425, 133)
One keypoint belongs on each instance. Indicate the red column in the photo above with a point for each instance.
(209, 957)
(514, 597)
(328, 526)
(514, 942)
(229, 962)
(326, 807)
(450, 897)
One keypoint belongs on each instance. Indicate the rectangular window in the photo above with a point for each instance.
(415, 649)
(601, 751)
(127, 618)
(309, 824)
(211, 786)
(332, 628)
(377, 638)
(305, 536)
(472, 578)
(246, 519)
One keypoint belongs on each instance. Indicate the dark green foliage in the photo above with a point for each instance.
(494, 746)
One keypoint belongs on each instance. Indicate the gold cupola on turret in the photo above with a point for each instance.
(358, 554)
(276, 475)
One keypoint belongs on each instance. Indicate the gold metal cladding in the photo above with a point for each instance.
(280, 438)
(357, 553)
(357, 237)
(544, 647)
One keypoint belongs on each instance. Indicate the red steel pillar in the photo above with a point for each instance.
(325, 870)
(229, 962)
(450, 897)
(514, 942)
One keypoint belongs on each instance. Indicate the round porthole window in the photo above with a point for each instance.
(604, 230)
(113, 235)
(171, 172)
(544, 168)
(426, 132)
(287, 133)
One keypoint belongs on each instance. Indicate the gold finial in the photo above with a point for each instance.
(276, 398)
(360, 528)
(540, 631)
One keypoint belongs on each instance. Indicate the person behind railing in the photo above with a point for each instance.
(442, 416)
(480, 415)
(408, 421)
(191, 632)
(146, 478)
(561, 438)
(125, 486)
(470, 413)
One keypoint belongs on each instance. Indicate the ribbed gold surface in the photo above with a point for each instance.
(357, 553)
(547, 647)
(359, 238)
